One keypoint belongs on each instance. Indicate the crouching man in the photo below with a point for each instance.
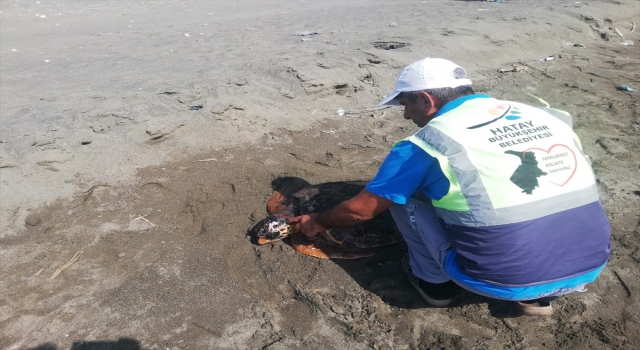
(494, 196)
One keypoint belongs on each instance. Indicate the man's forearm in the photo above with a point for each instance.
(364, 206)
(341, 216)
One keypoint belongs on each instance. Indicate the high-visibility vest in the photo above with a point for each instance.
(506, 162)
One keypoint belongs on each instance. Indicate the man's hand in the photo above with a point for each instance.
(364, 206)
(307, 224)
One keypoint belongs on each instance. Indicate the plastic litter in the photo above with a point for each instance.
(627, 43)
(626, 88)
(340, 111)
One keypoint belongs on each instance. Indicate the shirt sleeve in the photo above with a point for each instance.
(406, 170)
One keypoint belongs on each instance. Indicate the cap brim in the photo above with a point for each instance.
(390, 100)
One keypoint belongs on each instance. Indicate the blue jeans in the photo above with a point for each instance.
(426, 238)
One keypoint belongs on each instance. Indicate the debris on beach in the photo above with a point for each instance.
(389, 45)
(568, 43)
(306, 32)
(143, 217)
(538, 69)
(363, 112)
(514, 68)
(626, 88)
(58, 271)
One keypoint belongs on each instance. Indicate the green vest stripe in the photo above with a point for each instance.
(470, 184)
(520, 213)
(454, 199)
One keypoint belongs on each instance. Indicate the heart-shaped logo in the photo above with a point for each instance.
(558, 162)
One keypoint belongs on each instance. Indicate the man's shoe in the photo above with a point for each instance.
(535, 308)
(435, 294)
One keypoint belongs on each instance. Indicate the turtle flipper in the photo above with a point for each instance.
(284, 188)
(378, 232)
(321, 248)
(277, 202)
(376, 241)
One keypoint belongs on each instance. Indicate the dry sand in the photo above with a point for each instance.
(105, 151)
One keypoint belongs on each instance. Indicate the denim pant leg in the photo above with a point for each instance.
(426, 238)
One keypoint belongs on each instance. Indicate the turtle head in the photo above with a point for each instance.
(273, 228)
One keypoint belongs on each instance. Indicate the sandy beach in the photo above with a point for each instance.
(139, 142)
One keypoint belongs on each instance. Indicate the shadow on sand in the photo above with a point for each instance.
(382, 274)
(120, 344)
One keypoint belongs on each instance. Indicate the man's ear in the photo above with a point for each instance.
(429, 100)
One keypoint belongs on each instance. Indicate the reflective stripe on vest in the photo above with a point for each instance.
(507, 162)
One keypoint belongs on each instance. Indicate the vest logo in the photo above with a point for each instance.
(527, 174)
(559, 162)
(505, 111)
(558, 165)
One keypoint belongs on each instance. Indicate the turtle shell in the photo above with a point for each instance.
(344, 242)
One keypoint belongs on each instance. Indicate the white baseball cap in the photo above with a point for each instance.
(429, 73)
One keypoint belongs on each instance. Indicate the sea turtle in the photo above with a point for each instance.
(336, 243)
